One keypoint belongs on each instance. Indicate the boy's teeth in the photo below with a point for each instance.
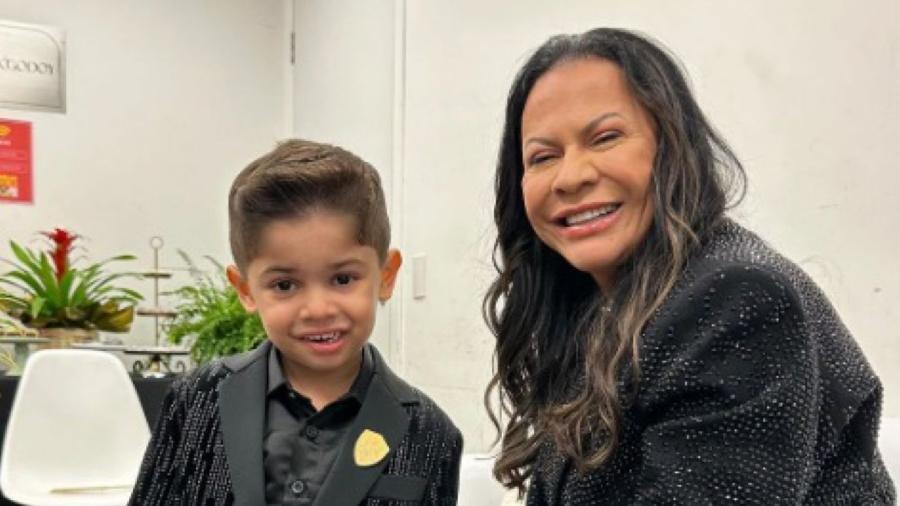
(576, 219)
(323, 338)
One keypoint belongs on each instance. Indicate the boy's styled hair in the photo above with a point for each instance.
(299, 177)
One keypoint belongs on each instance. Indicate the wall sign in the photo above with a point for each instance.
(32, 67)
(15, 161)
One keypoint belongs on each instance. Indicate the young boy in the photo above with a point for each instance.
(313, 416)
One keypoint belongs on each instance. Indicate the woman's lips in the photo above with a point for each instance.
(590, 222)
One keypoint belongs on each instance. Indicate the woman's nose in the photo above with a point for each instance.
(575, 171)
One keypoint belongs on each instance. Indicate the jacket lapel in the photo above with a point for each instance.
(382, 412)
(242, 408)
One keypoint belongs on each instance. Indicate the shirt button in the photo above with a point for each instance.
(297, 487)
(311, 431)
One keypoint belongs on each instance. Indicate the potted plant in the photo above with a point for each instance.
(210, 316)
(46, 291)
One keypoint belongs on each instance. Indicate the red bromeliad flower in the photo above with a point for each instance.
(62, 246)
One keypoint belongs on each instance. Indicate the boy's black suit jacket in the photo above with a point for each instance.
(206, 448)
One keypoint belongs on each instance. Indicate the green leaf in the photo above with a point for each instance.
(97, 284)
(48, 278)
(123, 294)
(111, 318)
(65, 286)
(36, 305)
(8, 301)
(117, 259)
(35, 285)
(12, 283)
(25, 256)
(73, 313)
(80, 294)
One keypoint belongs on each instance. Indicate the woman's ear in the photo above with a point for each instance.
(389, 274)
(241, 287)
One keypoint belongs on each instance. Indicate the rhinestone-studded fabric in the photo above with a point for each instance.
(752, 391)
(430, 449)
(185, 462)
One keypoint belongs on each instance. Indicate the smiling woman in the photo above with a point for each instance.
(580, 126)
(676, 358)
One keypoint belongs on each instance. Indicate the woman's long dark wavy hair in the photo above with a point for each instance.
(566, 358)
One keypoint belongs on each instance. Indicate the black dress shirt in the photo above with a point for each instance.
(300, 444)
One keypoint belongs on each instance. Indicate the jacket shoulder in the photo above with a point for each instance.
(422, 409)
(202, 381)
(433, 415)
(207, 377)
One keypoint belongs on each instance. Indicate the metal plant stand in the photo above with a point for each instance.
(159, 359)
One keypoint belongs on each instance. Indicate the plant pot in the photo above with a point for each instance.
(65, 337)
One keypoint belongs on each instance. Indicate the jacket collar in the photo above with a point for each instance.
(235, 363)
(242, 398)
(382, 413)
(400, 390)
(242, 412)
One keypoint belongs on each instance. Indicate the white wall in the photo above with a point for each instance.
(808, 97)
(166, 102)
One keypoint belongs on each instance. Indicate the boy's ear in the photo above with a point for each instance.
(241, 287)
(389, 274)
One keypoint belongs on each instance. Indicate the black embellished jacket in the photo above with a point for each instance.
(751, 391)
(206, 448)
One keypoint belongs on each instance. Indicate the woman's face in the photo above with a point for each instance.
(588, 148)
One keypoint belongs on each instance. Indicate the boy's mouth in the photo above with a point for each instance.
(325, 338)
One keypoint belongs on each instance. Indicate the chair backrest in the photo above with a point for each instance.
(477, 486)
(76, 421)
(889, 447)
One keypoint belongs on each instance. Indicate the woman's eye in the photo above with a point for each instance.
(607, 136)
(343, 279)
(539, 158)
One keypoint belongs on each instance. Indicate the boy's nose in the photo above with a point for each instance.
(317, 307)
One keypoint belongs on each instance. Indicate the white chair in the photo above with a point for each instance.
(889, 446)
(477, 486)
(76, 433)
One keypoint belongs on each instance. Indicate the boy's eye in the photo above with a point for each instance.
(283, 285)
(343, 279)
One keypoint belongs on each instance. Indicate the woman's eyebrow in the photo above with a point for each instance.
(586, 130)
(597, 121)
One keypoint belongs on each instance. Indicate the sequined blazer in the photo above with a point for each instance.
(206, 448)
(751, 391)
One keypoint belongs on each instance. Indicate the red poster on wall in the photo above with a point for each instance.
(15, 161)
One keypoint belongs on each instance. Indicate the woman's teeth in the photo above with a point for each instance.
(323, 338)
(577, 219)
